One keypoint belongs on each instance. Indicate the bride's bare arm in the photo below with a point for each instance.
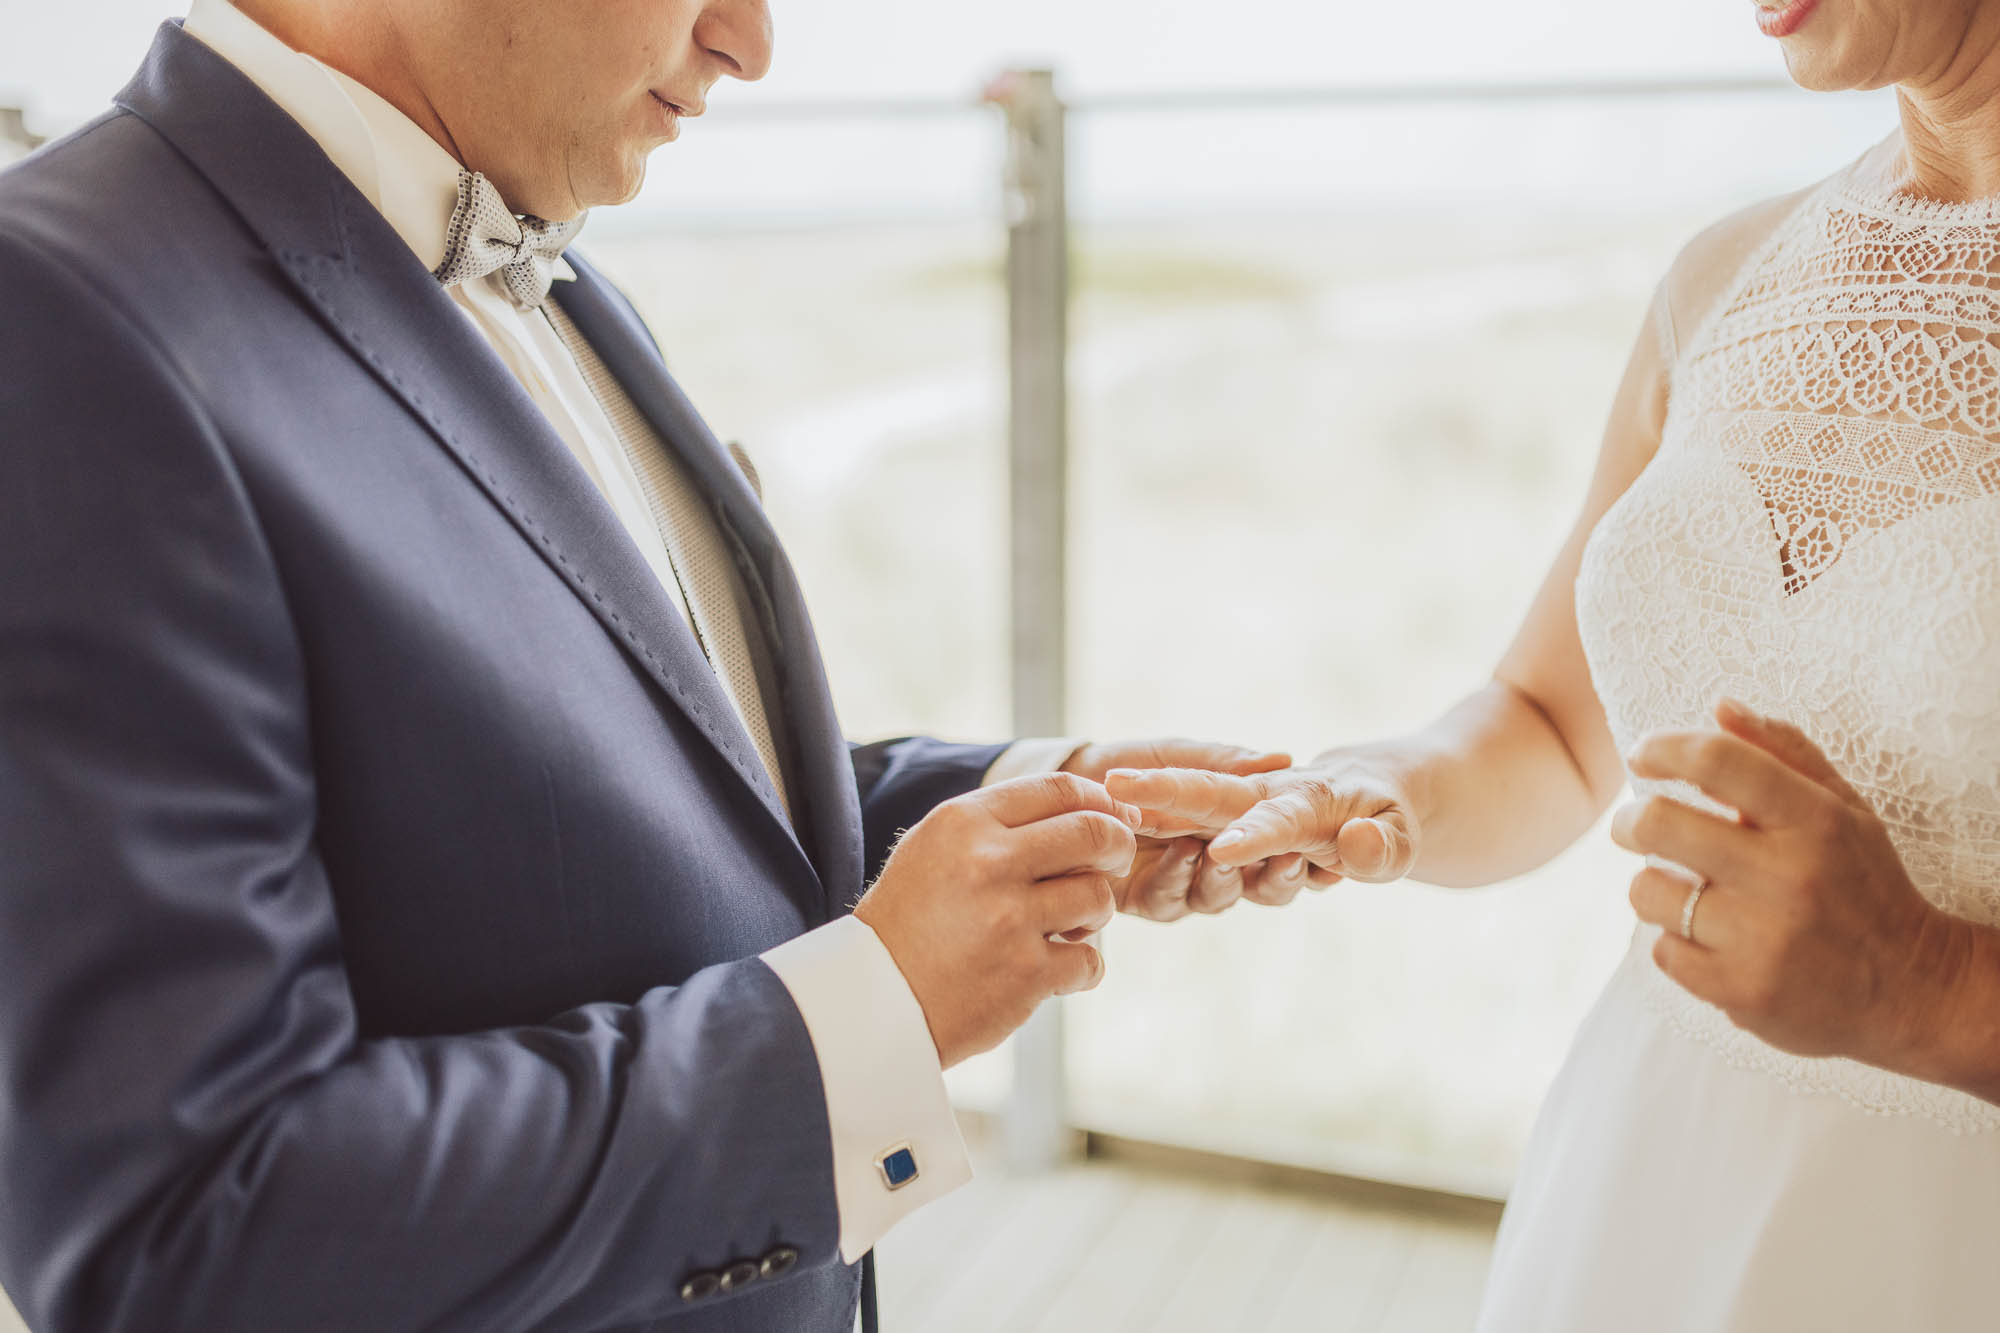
(1521, 768)
(1516, 771)
(1499, 783)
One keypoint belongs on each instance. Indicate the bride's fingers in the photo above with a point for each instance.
(1276, 882)
(1660, 897)
(1294, 820)
(1153, 824)
(1185, 799)
(1253, 764)
(1215, 888)
(1373, 850)
(1158, 887)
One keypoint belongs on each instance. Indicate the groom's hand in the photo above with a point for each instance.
(975, 901)
(1170, 876)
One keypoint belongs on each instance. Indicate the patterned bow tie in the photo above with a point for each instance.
(486, 237)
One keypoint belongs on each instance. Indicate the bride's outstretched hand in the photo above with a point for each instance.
(1274, 834)
(1169, 873)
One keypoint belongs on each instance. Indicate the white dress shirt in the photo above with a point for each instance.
(878, 1065)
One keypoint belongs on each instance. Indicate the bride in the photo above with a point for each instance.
(1779, 617)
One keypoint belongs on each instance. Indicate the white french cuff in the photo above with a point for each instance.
(1022, 758)
(896, 1144)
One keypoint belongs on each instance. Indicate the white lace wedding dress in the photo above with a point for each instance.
(1818, 536)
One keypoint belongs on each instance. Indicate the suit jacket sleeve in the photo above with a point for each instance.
(903, 780)
(193, 1133)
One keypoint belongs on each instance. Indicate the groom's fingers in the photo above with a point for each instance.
(1086, 840)
(1029, 800)
(1081, 904)
(1072, 967)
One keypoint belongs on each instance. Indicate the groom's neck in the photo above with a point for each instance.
(363, 40)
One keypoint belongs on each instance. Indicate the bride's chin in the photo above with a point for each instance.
(1817, 71)
(1825, 58)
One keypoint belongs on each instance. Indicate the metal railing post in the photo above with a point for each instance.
(1037, 1129)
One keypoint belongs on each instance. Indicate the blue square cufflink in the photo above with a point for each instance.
(898, 1166)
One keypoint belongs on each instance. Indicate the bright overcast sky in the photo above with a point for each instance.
(65, 57)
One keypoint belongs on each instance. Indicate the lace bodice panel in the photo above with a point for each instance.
(1819, 536)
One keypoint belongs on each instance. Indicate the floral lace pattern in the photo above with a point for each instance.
(1819, 536)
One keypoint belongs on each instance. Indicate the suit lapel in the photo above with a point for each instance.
(831, 813)
(375, 297)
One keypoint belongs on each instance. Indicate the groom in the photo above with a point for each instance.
(426, 842)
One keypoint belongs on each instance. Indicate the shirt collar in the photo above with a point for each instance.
(407, 175)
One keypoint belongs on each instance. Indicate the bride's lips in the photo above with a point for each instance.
(1784, 18)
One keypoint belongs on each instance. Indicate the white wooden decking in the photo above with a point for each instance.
(1106, 1247)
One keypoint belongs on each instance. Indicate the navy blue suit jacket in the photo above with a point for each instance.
(382, 872)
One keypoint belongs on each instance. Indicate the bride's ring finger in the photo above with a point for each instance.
(1660, 897)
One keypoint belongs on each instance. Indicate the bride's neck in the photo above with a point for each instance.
(1951, 119)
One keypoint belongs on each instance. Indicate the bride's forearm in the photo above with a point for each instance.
(1493, 787)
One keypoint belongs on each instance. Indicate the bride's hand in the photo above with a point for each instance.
(1809, 932)
(1277, 833)
(1169, 877)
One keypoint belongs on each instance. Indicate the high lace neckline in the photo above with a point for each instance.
(1869, 184)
